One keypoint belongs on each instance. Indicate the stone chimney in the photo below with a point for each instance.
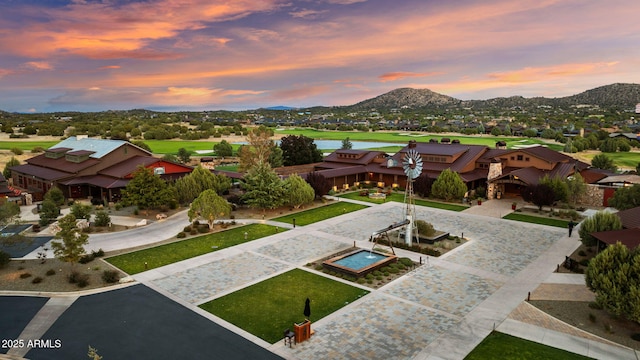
(495, 169)
(412, 144)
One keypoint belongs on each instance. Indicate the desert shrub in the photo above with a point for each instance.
(203, 229)
(181, 235)
(83, 281)
(369, 276)
(50, 272)
(110, 276)
(36, 280)
(318, 267)
(187, 228)
(394, 270)
(193, 232)
(425, 228)
(74, 277)
(25, 275)
(592, 317)
(377, 273)
(361, 281)
(17, 151)
(5, 258)
(582, 253)
(99, 253)
(102, 218)
(86, 259)
(595, 305)
(405, 261)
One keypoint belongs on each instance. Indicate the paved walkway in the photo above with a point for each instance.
(438, 311)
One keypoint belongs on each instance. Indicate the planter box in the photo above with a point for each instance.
(439, 235)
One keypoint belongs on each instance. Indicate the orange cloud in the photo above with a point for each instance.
(109, 67)
(393, 76)
(39, 65)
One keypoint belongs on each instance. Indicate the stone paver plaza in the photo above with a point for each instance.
(421, 315)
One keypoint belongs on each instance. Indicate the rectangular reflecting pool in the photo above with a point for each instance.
(359, 262)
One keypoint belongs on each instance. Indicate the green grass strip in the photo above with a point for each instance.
(268, 308)
(133, 262)
(502, 346)
(399, 197)
(320, 213)
(537, 220)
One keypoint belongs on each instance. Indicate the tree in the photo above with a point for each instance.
(299, 192)
(299, 150)
(540, 195)
(81, 211)
(258, 148)
(638, 168)
(8, 210)
(609, 146)
(263, 188)
(49, 211)
(184, 155)
(614, 275)
(201, 179)
(558, 186)
(73, 240)
(147, 190)
(223, 148)
(275, 157)
(626, 197)
(422, 185)
(496, 131)
(602, 161)
(55, 194)
(601, 221)
(141, 144)
(448, 186)
(5, 259)
(209, 206)
(7, 168)
(170, 158)
(346, 144)
(575, 187)
(102, 218)
(319, 183)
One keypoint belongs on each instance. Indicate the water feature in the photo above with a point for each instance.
(337, 144)
(359, 263)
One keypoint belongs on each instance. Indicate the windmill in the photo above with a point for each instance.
(412, 165)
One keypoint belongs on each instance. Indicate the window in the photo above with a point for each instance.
(513, 158)
(526, 159)
(520, 157)
(158, 170)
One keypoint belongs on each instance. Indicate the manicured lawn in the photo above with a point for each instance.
(133, 262)
(320, 213)
(399, 197)
(227, 167)
(172, 146)
(268, 308)
(538, 220)
(502, 346)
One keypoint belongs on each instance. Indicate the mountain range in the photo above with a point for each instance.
(617, 96)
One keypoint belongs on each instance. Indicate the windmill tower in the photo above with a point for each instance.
(412, 165)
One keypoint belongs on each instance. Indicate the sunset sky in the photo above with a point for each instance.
(86, 55)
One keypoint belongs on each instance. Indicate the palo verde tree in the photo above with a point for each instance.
(448, 186)
(299, 192)
(147, 190)
(600, 221)
(71, 248)
(614, 275)
(263, 188)
(209, 206)
(258, 149)
(299, 150)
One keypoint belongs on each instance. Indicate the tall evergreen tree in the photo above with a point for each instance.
(448, 186)
(263, 188)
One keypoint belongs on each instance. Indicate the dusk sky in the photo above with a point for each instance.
(85, 55)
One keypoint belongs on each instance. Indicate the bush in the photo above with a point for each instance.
(187, 228)
(102, 218)
(636, 336)
(77, 278)
(50, 272)
(582, 253)
(17, 151)
(5, 258)
(110, 276)
(25, 275)
(595, 305)
(203, 229)
(425, 228)
(592, 317)
(181, 235)
(36, 280)
(193, 232)
(86, 259)
(99, 253)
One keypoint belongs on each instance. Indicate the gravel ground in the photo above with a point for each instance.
(597, 322)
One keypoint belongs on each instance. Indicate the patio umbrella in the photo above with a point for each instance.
(307, 308)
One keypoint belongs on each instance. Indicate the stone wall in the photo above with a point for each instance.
(593, 197)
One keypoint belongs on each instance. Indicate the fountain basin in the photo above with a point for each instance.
(359, 263)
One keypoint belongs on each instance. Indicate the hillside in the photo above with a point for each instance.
(618, 96)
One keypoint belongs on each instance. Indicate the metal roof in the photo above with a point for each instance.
(100, 147)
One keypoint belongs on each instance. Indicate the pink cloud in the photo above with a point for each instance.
(393, 76)
(39, 65)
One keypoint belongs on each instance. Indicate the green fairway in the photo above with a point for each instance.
(404, 137)
(502, 346)
(399, 197)
(268, 308)
(320, 213)
(537, 220)
(172, 146)
(134, 262)
(26, 145)
(620, 159)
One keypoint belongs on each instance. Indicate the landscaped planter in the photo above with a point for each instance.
(439, 235)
